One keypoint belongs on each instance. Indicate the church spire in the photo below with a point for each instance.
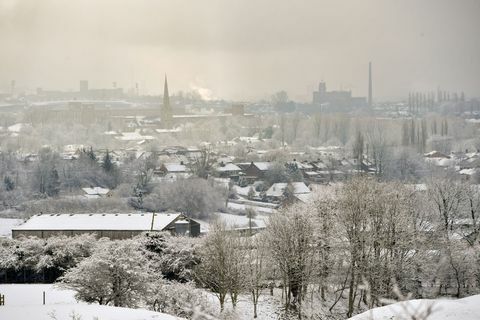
(165, 90)
(166, 109)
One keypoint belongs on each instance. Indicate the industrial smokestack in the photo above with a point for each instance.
(369, 84)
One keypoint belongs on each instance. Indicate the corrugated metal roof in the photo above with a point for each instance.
(99, 221)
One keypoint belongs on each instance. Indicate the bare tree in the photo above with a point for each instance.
(222, 264)
(256, 268)
(290, 236)
(377, 147)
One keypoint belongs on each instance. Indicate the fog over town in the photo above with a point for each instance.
(239, 159)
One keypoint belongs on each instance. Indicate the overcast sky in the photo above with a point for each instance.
(242, 49)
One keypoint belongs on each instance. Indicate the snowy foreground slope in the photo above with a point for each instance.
(24, 302)
(461, 309)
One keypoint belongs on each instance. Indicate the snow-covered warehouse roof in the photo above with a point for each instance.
(99, 221)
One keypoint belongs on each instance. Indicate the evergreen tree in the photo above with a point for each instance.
(405, 134)
(412, 132)
(53, 184)
(107, 163)
(91, 155)
(8, 183)
(293, 172)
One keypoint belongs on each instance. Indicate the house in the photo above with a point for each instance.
(97, 192)
(173, 171)
(257, 170)
(472, 162)
(302, 166)
(276, 192)
(110, 225)
(228, 170)
(173, 168)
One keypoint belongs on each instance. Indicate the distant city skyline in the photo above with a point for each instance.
(243, 50)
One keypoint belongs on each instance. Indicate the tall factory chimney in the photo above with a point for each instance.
(369, 84)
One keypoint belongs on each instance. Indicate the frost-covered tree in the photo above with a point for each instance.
(374, 219)
(221, 264)
(256, 268)
(172, 256)
(290, 236)
(117, 273)
(45, 180)
(179, 299)
(62, 253)
(194, 197)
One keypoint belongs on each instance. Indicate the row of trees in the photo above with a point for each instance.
(351, 249)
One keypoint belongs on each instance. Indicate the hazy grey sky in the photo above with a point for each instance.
(242, 49)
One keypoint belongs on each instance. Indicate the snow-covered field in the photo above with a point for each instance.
(442, 309)
(6, 226)
(25, 302)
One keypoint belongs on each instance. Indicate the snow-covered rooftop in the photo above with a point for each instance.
(96, 191)
(263, 166)
(175, 167)
(277, 189)
(228, 167)
(134, 136)
(99, 221)
(468, 172)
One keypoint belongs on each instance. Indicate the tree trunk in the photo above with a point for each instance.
(351, 297)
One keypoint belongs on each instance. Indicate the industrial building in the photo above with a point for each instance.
(116, 226)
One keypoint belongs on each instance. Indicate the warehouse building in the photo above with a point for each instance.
(115, 226)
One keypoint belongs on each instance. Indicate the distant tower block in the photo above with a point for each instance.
(83, 86)
(12, 87)
(166, 116)
(370, 84)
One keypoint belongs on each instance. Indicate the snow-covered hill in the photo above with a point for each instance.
(442, 309)
(24, 302)
(6, 226)
(78, 311)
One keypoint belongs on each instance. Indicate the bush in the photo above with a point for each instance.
(117, 273)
